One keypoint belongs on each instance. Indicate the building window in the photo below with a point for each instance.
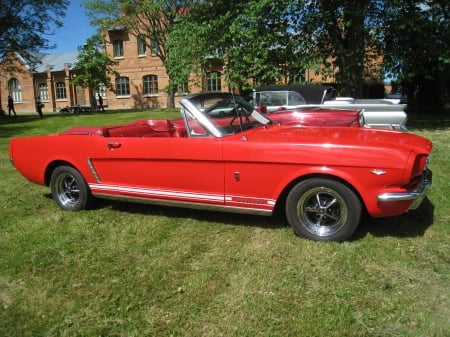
(150, 84)
(154, 48)
(123, 86)
(43, 91)
(14, 89)
(183, 88)
(101, 90)
(60, 90)
(142, 46)
(118, 48)
(297, 76)
(213, 81)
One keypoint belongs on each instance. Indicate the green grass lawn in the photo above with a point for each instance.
(138, 270)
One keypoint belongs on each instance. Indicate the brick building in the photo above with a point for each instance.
(143, 78)
(142, 75)
(142, 82)
(40, 75)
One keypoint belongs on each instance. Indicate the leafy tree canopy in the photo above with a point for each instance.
(94, 67)
(25, 24)
(417, 50)
(265, 41)
(342, 35)
(249, 37)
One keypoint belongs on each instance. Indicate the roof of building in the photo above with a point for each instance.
(56, 62)
(38, 62)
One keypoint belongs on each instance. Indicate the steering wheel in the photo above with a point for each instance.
(240, 112)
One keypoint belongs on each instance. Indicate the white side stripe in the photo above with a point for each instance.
(156, 193)
(148, 192)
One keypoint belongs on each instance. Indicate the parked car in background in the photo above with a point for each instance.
(380, 113)
(221, 105)
(398, 97)
(323, 178)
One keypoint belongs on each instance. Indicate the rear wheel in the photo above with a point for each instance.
(323, 209)
(69, 189)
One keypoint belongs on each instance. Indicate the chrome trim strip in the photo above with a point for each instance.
(397, 127)
(416, 196)
(93, 171)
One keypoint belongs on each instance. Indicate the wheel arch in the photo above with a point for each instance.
(52, 166)
(281, 201)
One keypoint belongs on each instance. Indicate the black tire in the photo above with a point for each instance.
(323, 209)
(69, 189)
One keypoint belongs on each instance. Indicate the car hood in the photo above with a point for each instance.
(342, 137)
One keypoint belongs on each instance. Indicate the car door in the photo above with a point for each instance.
(251, 177)
(163, 168)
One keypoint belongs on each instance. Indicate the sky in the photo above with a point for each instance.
(75, 31)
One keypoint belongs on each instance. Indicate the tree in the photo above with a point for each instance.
(266, 41)
(93, 67)
(152, 19)
(417, 52)
(185, 52)
(24, 24)
(343, 34)
(258, 43)
(251, 38)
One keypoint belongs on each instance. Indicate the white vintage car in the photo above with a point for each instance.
(380, 113)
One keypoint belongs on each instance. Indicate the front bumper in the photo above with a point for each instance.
(416, 196)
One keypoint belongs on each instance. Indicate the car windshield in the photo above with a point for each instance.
(234, 114)
(220, 115)
(279, 98)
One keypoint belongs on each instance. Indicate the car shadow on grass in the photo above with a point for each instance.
(409, 225)
(412, 224)
(237, 219)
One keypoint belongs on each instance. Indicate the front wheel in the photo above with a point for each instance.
(323, 209)
(69, 189)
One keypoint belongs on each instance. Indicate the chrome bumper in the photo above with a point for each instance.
(416, 196)
(397, 127)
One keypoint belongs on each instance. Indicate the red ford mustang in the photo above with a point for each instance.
(238, 161)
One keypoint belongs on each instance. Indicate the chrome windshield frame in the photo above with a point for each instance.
(201, 118)
(190, 110)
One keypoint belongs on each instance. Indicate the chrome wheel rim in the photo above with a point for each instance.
(322, 211)
(67, 190)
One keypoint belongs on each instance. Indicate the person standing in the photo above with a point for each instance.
(39, 106)
(11, 106)
(100, 103)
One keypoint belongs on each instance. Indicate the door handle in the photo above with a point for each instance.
(114, 145)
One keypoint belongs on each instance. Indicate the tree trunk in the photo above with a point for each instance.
(352, 56)
(171, 98)
(347, 34)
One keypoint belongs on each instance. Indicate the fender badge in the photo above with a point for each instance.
(378, 172)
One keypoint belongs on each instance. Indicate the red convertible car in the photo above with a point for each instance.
(323, 177)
